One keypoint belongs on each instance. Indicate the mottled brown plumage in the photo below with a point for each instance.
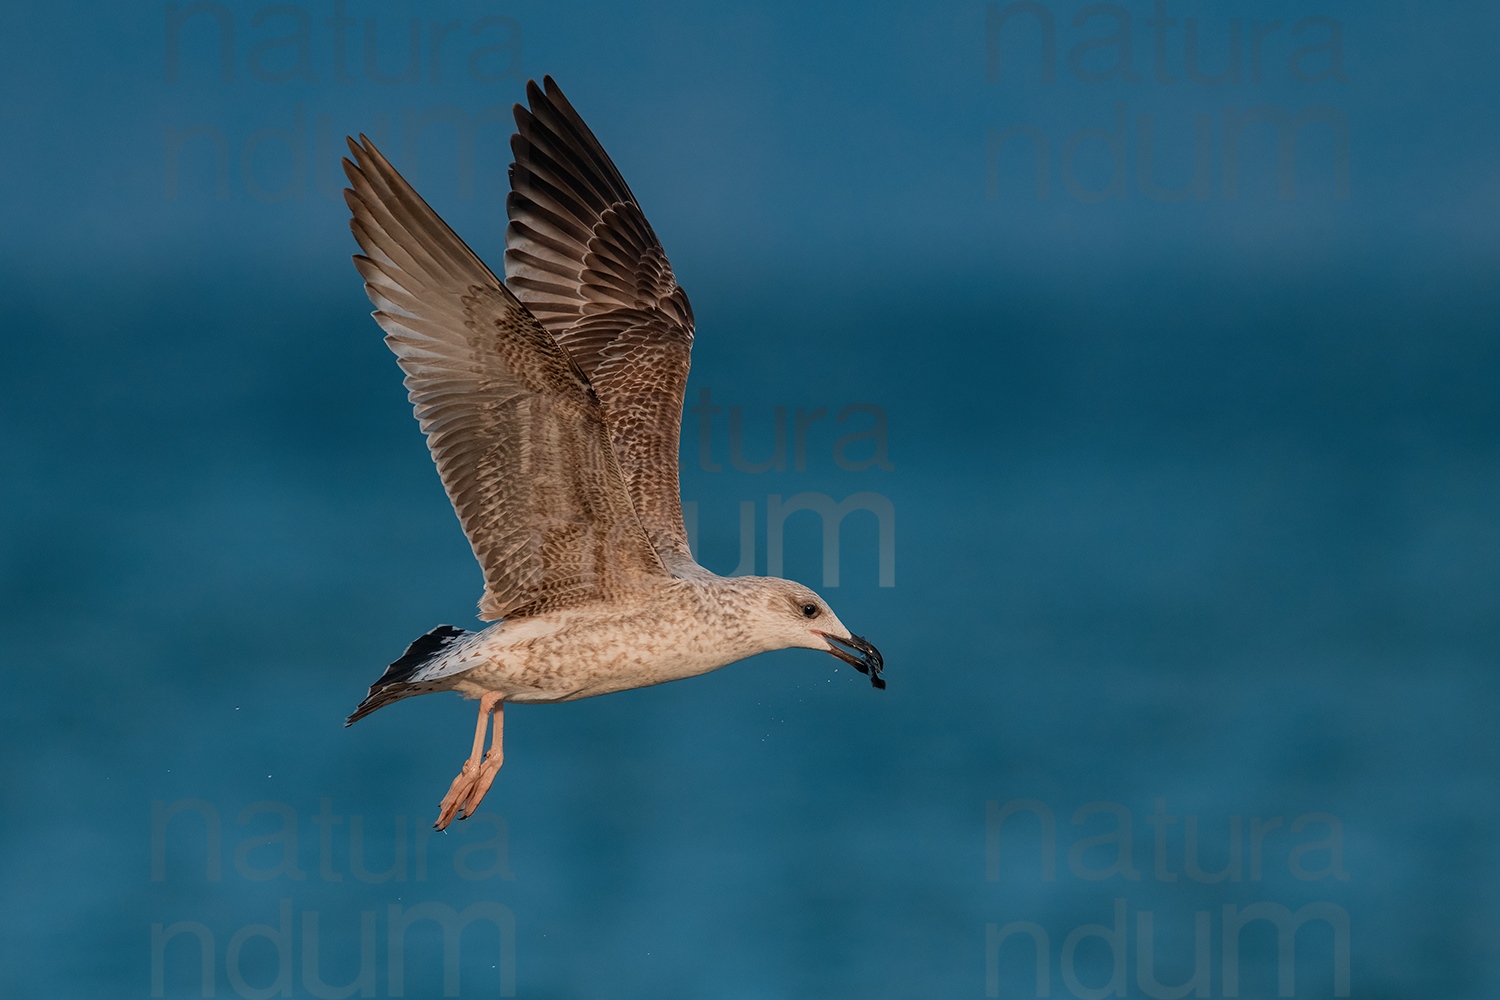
(552, 405)
(582, 257)
(516, 431)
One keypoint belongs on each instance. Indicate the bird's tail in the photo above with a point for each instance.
(396, 683)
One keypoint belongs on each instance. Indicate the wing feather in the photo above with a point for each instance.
(582, 257)
(513, 424)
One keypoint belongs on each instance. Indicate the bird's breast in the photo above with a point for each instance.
(586, 655)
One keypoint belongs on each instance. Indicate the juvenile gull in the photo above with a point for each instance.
(552, 405)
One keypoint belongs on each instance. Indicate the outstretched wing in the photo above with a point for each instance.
(582, 257)
(516, 431)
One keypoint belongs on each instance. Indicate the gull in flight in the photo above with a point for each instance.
(552, 405)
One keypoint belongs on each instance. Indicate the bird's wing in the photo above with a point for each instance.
(582, 257)
(516, 430)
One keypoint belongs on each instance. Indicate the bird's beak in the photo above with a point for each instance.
(864, 657)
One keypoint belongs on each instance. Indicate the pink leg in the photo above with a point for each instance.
(491, 765)
(475, 770)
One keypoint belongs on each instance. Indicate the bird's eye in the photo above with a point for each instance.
(809, 611)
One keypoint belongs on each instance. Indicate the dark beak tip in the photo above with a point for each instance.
(868, 660)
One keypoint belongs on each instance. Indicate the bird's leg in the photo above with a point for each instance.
(491, 765)
(459, 792)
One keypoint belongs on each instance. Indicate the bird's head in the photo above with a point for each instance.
(792, 616)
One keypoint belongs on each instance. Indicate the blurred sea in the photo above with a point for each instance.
(1195, 513)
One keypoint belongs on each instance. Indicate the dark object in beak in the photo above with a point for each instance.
(865, 658)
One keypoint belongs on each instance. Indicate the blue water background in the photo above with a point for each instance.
(1195, 502)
